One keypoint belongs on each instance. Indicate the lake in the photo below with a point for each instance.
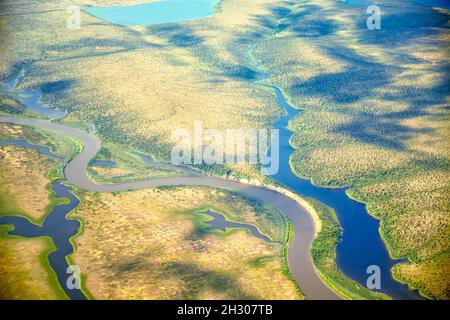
(165, 11)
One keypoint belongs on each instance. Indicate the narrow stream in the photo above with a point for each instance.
(31, 98)
(219, 222)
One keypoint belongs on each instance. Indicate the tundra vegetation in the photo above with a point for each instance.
(149, 244)
(24, 178)
(374, 117)
(374, 102)
(23, 182)
(11, 106)
(124, 165)
(25, 272)
(155, 244)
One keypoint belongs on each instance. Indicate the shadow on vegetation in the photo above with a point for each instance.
(360, 78)
(182, 40)
(197, 280)
(57, 86)
(240, 73)
(90, 47)
(178, 35)
(303, 22)
(385, 130)
(363, 76)
(135, 265)
(308, 23)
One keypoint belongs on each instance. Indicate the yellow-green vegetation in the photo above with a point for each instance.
(374, 102)
(24, 182)
(165, 77)
(431, 275)
(61, 145)
(124, 165)
(25, 273)
(154, 244)
(324, 256)
(25, 176)
(375, 117)
(11, 106)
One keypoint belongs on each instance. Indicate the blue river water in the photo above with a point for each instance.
(55, 226)
(433, 3)
(361, 245)
(103, 163)
(31, 98)
(219, 222)
(164, 11)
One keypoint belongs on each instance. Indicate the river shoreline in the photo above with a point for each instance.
(290, 186)
(302, 269)
(313, 222)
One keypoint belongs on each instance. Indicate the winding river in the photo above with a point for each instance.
(57, 227)
(361, 245)
(299, 259)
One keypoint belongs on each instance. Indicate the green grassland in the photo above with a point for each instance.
(154, 244)
(25, 273)
(375, 117)
(128, 167)
(129, 245)
(375, 103)
(268, 219)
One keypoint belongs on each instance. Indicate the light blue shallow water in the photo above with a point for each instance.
(164, 11)
(167, 11)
